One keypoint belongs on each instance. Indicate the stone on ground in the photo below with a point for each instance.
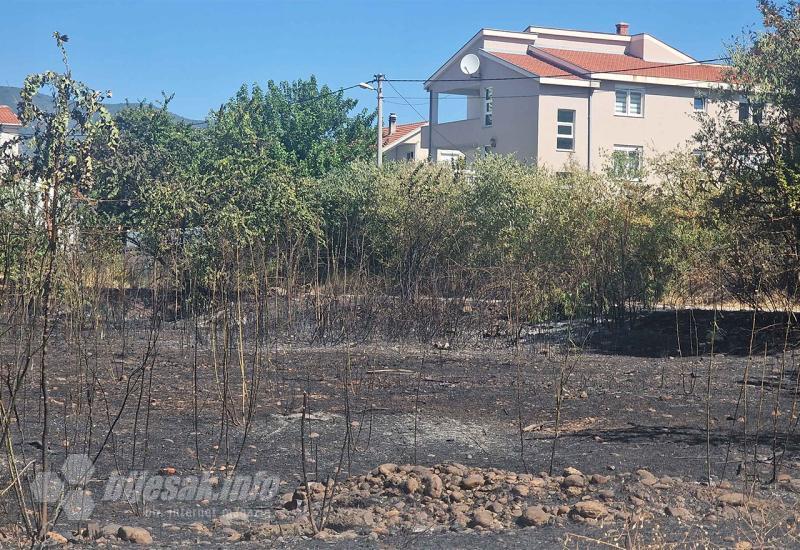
(472, 481)
(231, 518)
(136, 535)
(483, 518)
(534, 516)
(591, 509)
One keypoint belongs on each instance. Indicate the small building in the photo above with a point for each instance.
(10, 126)
(403, 142)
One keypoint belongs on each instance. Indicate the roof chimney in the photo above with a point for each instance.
(392, 123)
(622, 28)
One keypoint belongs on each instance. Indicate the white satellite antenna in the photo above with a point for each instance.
(470, 64)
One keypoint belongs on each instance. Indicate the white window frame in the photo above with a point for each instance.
(488, 105)
(572, 133)
(704, 108)
(628, 90)
(619, 148)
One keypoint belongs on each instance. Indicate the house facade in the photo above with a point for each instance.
(10, 126)
(560, 97)
(403, 142)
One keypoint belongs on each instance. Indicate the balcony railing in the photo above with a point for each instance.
(463, 135)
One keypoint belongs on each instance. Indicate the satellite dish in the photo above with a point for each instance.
(470, 64)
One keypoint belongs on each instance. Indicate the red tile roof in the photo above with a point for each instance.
(596, 62)
(534, 65)
(400, 132)
(8, 116)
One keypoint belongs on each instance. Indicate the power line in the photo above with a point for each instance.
(532, 77)
(423, 100)
(586, 74)
(430, 126)
(302, 101)
(290, 103)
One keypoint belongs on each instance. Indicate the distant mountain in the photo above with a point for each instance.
(9, 95)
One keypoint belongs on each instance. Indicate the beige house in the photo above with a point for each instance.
(555, 97)
(403, 142)
(10, 125)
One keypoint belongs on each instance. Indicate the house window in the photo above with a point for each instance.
(488, 106)
(565, 133)
(699, 103)
(744, 111)
(626, 162)
(699, 156)
(628, 102)
(758, 113)
(751, 112)
(410, 155)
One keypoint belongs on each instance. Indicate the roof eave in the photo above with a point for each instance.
(664, 81)
(395, 143)
(480, 34)
(575, 83)
(572, 33)
(506, 64)
(553, 59)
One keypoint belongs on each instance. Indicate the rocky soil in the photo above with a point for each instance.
(394, 499)
(395, 502)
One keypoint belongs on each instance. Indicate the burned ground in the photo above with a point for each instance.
(488, 409)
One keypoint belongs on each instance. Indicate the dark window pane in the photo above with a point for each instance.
(564, 143)
(635, 103)
(699, 104)
(620, 103)
(758, 113)
(566, 116)
(564, 130)
(744, 112)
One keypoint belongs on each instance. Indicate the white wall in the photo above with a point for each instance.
(411, 144)
(7, 133)
(515, 119)
(399, 152)
(668, 122)
(551, 100)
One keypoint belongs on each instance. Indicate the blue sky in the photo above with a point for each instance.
(203, 50)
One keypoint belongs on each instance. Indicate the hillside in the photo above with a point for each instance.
(9, 95)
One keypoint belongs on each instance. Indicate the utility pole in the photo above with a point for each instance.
(379, 81)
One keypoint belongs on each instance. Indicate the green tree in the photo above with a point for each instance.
(315, 126)
(753, 158)
(150, 184)
(58, 165)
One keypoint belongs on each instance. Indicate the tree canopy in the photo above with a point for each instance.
(753, 157)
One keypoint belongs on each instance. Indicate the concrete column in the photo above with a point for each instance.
(433, 120)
